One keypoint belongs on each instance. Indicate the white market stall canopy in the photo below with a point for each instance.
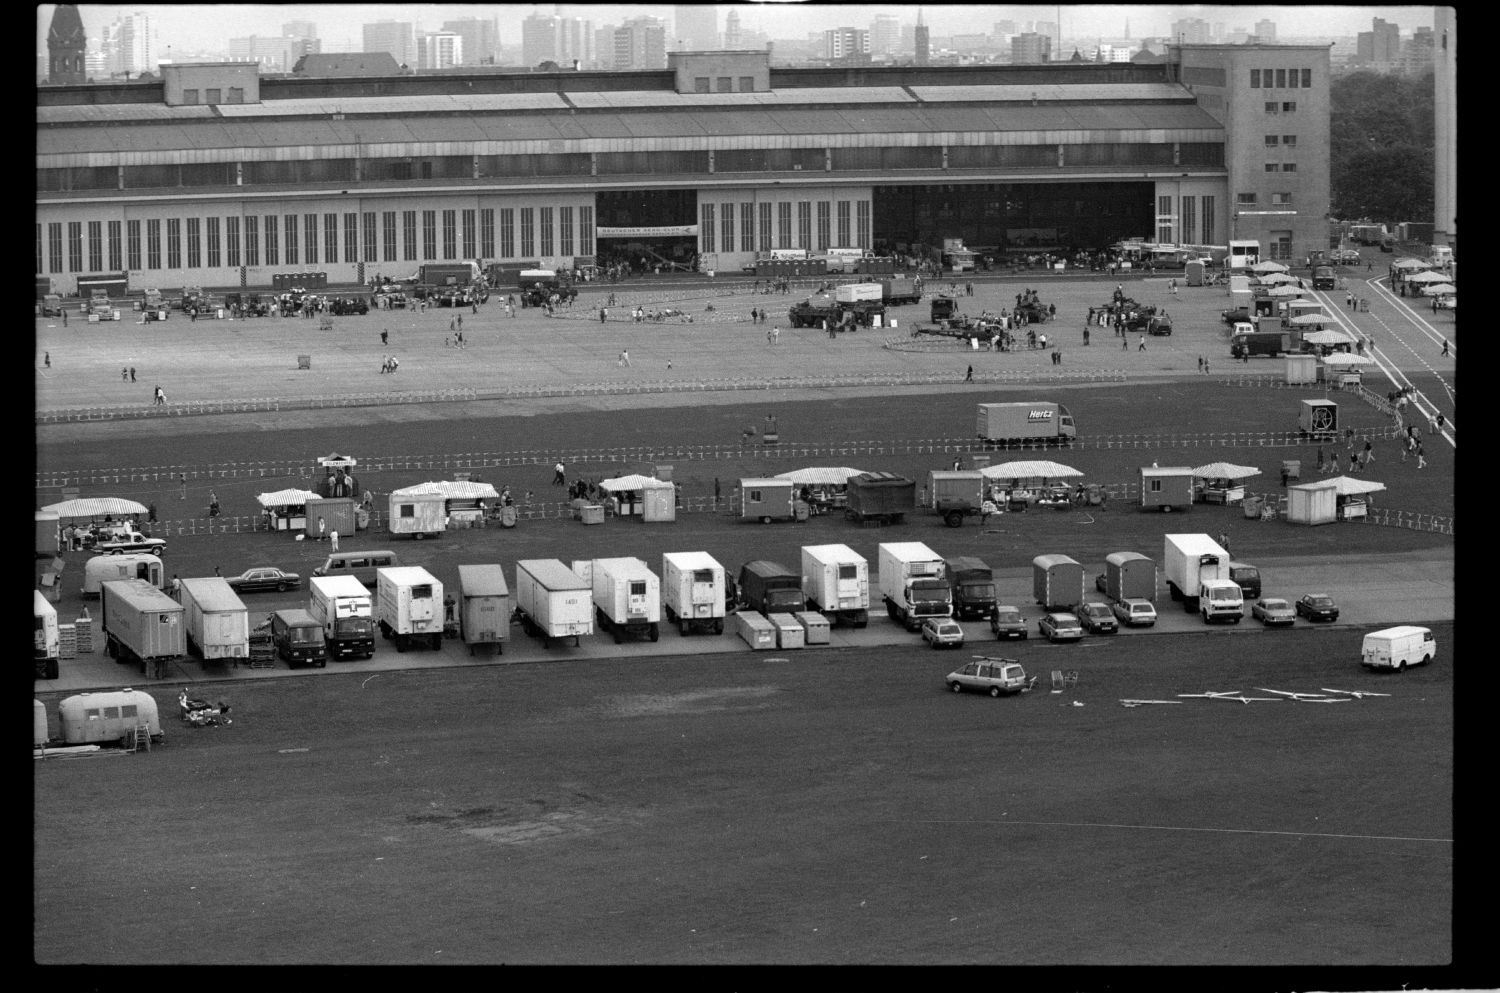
(1029, 470)
(1225, 470)
(449, 490)
(622, 484)
(1439, 289)
(1345, 358)
(91, 507)
(1306, 319)
(1275, 278)
(820, 475)
(1408, 264)
(286, 498)
(1284, 291)
(1427, 277)
(1349, 486)
(1268, 266)
(1328, 337)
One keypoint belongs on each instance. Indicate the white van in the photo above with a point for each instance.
(360, 565)
(1398, 647)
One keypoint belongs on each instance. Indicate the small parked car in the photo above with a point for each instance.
(1097, 618)
(943, 632)
(1272, 611)
(1099, 584)
(992, 676)
(263, 578)
(1135, 612)
(1007, 622)
(1317, 607)
(1060, 627)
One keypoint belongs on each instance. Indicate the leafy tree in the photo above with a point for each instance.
(1382, 146)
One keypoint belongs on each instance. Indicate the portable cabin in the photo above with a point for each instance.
(1057, 581)
(1193, 272)
(646, 497)
(1312, 503)
(766, 500)
(1301, 369)
(419, 511)
(337, 514)
(1166, 488)
(48, 540)
(1318, 418)
(91, 718)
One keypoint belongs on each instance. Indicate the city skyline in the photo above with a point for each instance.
(187, 29)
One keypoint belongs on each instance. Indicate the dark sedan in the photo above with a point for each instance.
(264, 579)
(1317, 607)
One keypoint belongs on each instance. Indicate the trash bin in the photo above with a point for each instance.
(1364, 305)
(593, 513)
(1252, 508)
(361, 519)
(508, 516)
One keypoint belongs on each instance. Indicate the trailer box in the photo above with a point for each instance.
(409, 606)
(342, 605)
(692, 592)
(767, 500)
(46, 638)
(136, 565)
(1166, 488)
(218, 624)
(900, 289)
(912, 583)
(141, 624)
(1398, 647)
(754, 629)
(1196, 566)
(418, 511)
(1129, 576)
(815, 627)
(1318, 419)
(880, 496)
(1057, 582)
(553, 600)
(858, 292)
(483, 606)
(627, 598)
(1032, 421)
(96, 718)
(836, 581)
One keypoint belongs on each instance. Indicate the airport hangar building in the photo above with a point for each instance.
(213, 175)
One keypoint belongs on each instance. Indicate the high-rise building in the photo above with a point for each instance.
(440, 50)
(841, 43)
(399, 38)
(575, 42)
(1445, 127)
(481, 39)
(272, 54)
(539, 40)
(130, 45)
(1191, 31)
(920, 43)
(299, 29)
(695, 27)
(641, 43)
(733, 38)
(885, 34)
(1030, 48)
(1004, 29)
(1265, 32)
(67, 46)
(1381, 44)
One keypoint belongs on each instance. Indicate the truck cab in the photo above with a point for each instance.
(298, 638)
(1221, 600)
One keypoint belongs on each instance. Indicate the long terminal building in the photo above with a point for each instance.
(214, 175)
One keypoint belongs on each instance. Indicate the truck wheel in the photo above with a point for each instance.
(954, 519)
(682, 628)
(956, 687)
(994, 691)
(618, 636)
(400, 642)
(655, 633)
(1402, 666)
(112, 649)
(718, 625)
(1166, 508)
(765, 520)
(1425, 659)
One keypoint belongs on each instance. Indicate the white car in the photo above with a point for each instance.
(942, 632)
(992, 676)
(1135, 612)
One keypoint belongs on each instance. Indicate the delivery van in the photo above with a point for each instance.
(360, 565)
(1398, 647)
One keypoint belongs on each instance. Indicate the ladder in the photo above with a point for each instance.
(141, 739)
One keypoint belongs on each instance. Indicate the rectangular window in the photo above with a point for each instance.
(310, 238)
(1280, 78)
(114, 246)
(153, 244)
(232, 241)
(1272, 107)
(1307, 79)
(843, 222)
(367, 223)
(700, 84)
(190, 97)
(862, 222)
(747, 84)
(236, 94)
(388, 236)
(565, 231)
(1288, 167)
(586, 229)
(1289, 140)
(450, 234)
(466, 231)
(1272, 140)
(804, 224)
(273, 239)
(1273, 167)
(429, 234)
(765, 226)
(194, 244)
(1289, 107)
(174, 243)
(409, 235)
(706, 226)
(747, 227)
(54, 247)
(784, 225)
(528, 231)
(1164, 220)
(546, 231)
(330, 237)
(726, 212)
(726, 84)
(1189, 220)
(252, 240)
(487, 233)
(507, 232)
(351, 237)
(211, 96)
(75, 246)
(1255, 79)
(1244, 199)
(96, 246)
(213, 243)
(1281, 199)
(1293, 79)
(823, 229)
(290, 251)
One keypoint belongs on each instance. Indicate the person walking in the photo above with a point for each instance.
(1142, 346)
(716, 492)
(1205, 367)
(47, 360)
(1322, 460)
(1441, 422)
(1421, 459)
(559, 475)
(1369, 452)
(182, 480)
(624, 361)
(1200, 365)
(1445, 346)
(159, 398)
(333, 541)
(385, 337)
(132, 374)
(969, 376)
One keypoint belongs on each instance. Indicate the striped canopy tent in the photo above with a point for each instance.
(622, 484)
(1029, 470)
(1225, 470)
(286, 498)
(1327, 336)
(1304, 320)
(1346, 358)
(1349, 486)
(1276, 278)
(1284, 291)
(820, 475)
(1409, 264)
(1427, 276)
(1439, 289)
(1268, 266)
(90, 508)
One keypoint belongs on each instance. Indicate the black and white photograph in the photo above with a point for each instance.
(751, 484)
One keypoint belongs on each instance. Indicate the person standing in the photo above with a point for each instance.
(969, 376)
(132, 374)
(182, 479)
(1369, 452)
(716, 492)
(160, 397)
(385, 337)
(47, 358)
(1200, 369)
(333, 541)
(624, 358)
(1142, 346)
(322, 529)
(1421, 459)
(559, 474)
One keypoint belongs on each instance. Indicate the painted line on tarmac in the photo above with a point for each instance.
(1203, 830)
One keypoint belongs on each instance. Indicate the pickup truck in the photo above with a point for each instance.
(127, 541)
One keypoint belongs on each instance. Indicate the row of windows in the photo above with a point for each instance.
(293, 239)
(1252, 200)
(723, 84)
(569, 164)
(1281, 79)
(758, 233)
(1184, 226)
(1285, 140)
(213, 95)
(1281, 167)
(1284, 107)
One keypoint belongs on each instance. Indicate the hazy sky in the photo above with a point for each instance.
(191, 28)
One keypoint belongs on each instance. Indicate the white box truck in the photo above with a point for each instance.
(409, 606)
(1032, 421)
(218, 623)
(342, 605)
(859, 292)
(48, 644)
(912, 583)
(1398, 647)
(141, 624)
(627, 598)
(484, 606)
(553, 600)
(692, 592)
(1197, 572)
(836, 582)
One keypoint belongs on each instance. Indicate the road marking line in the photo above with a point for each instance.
(1201, 830)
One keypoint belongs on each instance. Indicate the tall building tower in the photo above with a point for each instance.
(920, 40)
(397, 37)
(481, 39)
(1445, 127)
(1030, 48)
(66, 46)
(885, 34)
(575, 42)
(641, 43)
(440, 50)
(841, 43)
(133, 40)
(539, 40)
(1265, 31)
(734, 39)
(695, 27)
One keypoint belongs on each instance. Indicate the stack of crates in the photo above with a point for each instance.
(67, 642)
(83, 628)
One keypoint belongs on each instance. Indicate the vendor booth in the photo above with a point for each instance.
(427, 509)
(338, 479)
(827, 487)
(1028, 482)
(286, 510)
(83, 522)
(1341, 498)
(1301, 369)
(1221, 482)
(336, 513)
(1167, 488)
(1343, 368)
(645, 497)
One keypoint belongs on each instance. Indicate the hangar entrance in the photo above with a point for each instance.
(647, 230)
(1012, 218)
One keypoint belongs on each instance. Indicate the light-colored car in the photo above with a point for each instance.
(942, 632)
(1006, 621)
(1135, 612)
(992, 676)
(1272, 611)
(1060, 627)
(1344, 256)
(1097, 618)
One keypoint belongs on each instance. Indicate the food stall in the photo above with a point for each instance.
(1221, 482)
(338, 479)
(1342, 498)
(1029, 482)
(465, 500)
(83, 520)
(646, 497)
(1343, 368)
(286, 510)
(827, 486)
